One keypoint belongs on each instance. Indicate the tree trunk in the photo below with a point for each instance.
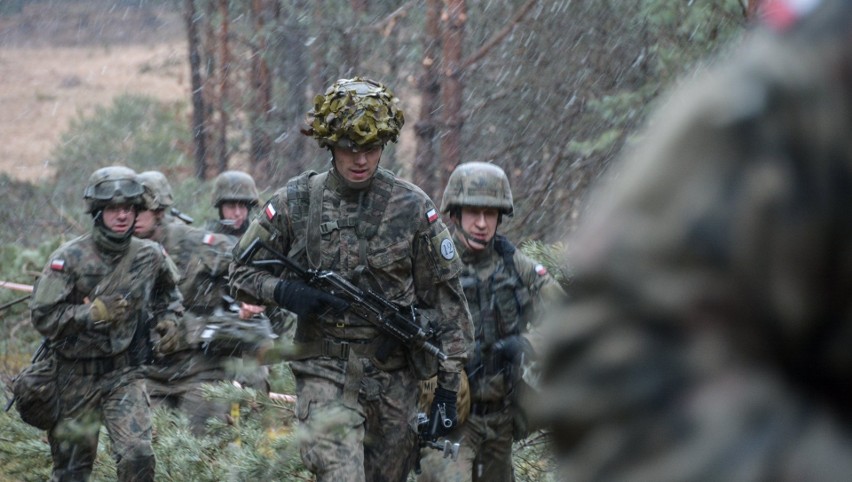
(209, 83)
(224, 68)
(261, 84)
(425, 172)
(319, 66)
(454, 18)
(198, 130)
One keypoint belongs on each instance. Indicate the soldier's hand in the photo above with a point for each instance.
(304, 300)
(443, 416)
(108, 308)
(171, 337)
(512, 347)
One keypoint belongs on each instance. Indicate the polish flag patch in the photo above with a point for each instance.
(57, 265)
(270, 211)
(432, 215)
(208, 239)
(540, 269)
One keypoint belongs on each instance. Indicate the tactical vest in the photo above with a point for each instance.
(305, 203)
(499, 305)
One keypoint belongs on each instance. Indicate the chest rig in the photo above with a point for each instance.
(323, 210)
(499, 306)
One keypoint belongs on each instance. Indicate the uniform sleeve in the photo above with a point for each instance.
(167, 300)
(437, 286)
(545, 293)
(54, 311)
(256, 284)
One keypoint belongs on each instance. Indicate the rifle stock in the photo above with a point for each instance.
(365, 304)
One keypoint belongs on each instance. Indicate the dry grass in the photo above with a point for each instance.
(58, 60)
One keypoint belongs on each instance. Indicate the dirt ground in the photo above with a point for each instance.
(46, 84)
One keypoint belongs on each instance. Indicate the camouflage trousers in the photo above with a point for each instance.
(374, 440)
(485, 452)
(118, 401)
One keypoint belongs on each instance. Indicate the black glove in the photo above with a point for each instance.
(443, 416)
(303, 300)
(511, 348)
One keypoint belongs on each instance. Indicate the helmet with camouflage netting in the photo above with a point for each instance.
(235, 186)
(478, 184)
(355, 113)
(158, 192)
(112, 185)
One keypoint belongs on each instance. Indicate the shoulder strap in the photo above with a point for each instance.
(312, 228)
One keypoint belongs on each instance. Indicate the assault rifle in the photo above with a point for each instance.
(426, 430)
(400, 325)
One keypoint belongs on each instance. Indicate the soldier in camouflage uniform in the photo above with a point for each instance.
(505, 290)
(709, 334)
(181, 367)
(358, 413)
(95, 302)
(234, 196)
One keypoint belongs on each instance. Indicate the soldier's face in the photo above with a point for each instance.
(235, 211)
(119, 217)
(357, 165)
(480, 224)
(146, 223)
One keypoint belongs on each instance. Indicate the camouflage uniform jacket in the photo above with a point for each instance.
(394, 245)
(69, 280)
(503, 300)
(712, 281)
(202, 258)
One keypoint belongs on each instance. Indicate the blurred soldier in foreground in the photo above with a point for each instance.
(505, 290)
(357, 406)
(95, 302)
(709, 334)
(183, 364)
(234, 196)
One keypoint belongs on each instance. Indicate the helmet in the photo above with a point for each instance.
(234, 186)
(478, 184)
(158, 192)
(353, 113)
(112, 185)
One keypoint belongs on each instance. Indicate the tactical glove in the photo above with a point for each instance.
(171, 337)
(108, 308)
(511, 348)
(304, 300)
(443, 415)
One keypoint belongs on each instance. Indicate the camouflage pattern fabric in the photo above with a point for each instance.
(709, 329)
(403, 261)
(503, 302)
(98, 366)
(176, 380)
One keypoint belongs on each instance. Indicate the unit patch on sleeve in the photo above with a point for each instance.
(432, 215)
(57, 264)
(270, 211)
(540, 269)
(208, 239)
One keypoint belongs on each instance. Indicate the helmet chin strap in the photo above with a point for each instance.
(470, 239)
(357, 186)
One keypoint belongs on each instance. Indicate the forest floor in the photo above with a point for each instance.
(61, 60)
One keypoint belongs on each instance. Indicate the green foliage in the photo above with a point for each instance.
(136, 131)
(259, 444)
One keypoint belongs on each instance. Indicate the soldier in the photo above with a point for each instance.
(94, 302)
(182, 367)
(709, 329)
(234, 195)
(505, 290)
(381, 233)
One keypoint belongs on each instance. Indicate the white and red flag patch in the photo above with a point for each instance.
(540, 269)
(57, 264)
(208, 239)
(270, 211)
(432, 215)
